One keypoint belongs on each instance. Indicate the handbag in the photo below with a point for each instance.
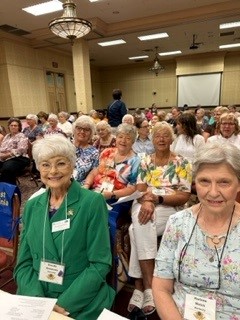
(122, 270)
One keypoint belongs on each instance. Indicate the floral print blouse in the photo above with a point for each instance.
(17, 144)
(87, 159)
(176, 175)
(119, 174)
(199, 267)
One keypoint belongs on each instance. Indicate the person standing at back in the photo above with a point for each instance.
(116, 110)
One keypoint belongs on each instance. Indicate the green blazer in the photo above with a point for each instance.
(86, 253)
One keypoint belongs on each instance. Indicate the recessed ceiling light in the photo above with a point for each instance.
(170, 53)
(111, 43)
(93, 0)
(225, 46)
(229, 25)
(44, 8)
(138, 57)
(153, 36)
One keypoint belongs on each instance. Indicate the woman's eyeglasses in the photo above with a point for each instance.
(83, 129)
(59, 166)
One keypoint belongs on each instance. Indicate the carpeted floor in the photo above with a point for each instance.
(27, 188)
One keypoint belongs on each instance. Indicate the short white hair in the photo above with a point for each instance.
(53, 145)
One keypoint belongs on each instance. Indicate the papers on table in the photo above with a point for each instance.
(108, 315)
(14, 307)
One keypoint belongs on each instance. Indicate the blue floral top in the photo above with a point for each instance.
(87, 159)
(199, 268)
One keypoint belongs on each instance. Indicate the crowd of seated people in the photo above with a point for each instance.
(152, 156)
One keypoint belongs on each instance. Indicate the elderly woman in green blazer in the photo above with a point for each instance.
(65, 248)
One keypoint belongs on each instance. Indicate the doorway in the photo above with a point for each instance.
(56, 92)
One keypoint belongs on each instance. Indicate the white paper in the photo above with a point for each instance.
(135, 195)
(109, 315)
(14, 307)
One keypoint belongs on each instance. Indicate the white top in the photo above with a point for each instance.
(186, 148)
(66, 128)
(234, 139)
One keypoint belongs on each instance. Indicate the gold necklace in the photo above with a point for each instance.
(216, 240)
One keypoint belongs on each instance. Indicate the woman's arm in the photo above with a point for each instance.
(162, 294)
(90, 178)
(119, 193)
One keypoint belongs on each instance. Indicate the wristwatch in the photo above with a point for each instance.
(113, 196)
(160, 199)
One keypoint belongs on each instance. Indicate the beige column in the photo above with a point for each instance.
(82, 75)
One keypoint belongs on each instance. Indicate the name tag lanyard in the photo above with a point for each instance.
(44, 228)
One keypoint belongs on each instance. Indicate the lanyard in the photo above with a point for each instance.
(44, 227)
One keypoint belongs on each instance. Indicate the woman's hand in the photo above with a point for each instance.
(148, 196)
(61, 310)
(146, 212)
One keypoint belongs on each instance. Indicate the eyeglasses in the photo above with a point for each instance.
(99, 130)
(227, 124)
(59, 166)
(83, 129)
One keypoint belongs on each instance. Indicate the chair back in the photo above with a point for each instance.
(10, 200)
(8, 218)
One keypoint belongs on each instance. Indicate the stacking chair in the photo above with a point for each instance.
(10, 199)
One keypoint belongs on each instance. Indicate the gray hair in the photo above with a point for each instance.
(32, 117)
(161, 126)
(53, 117)
(104, 124)
(64, 114)
(85, 121)
(126, 117)
(53, 145)
(217, 153)
(125, 128)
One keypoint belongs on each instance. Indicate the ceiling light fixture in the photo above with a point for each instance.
(156, 68)
(225, 46)
(169, 53)
(138, 57)
(229, 25)
(154, 36)
(111, 43)
(69, 26)
(44, 8)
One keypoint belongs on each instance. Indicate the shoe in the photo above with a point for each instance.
(148, 306)
(137, 314)
(136, 300)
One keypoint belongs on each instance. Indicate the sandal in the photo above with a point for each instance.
(136, 300)
(148, 306)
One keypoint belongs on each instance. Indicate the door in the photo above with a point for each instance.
(56, 92)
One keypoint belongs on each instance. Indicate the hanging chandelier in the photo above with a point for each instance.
(156, 68)
(69, 26)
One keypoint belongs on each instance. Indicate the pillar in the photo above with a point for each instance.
(82, 75)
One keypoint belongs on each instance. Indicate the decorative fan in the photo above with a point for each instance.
(195, 45)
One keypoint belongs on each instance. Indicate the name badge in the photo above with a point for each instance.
(107, 186)
(51, 272)
(198, 308)
(61, 225)
(158, 191)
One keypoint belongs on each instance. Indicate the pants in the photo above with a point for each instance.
(143, 238)
(11, 168)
